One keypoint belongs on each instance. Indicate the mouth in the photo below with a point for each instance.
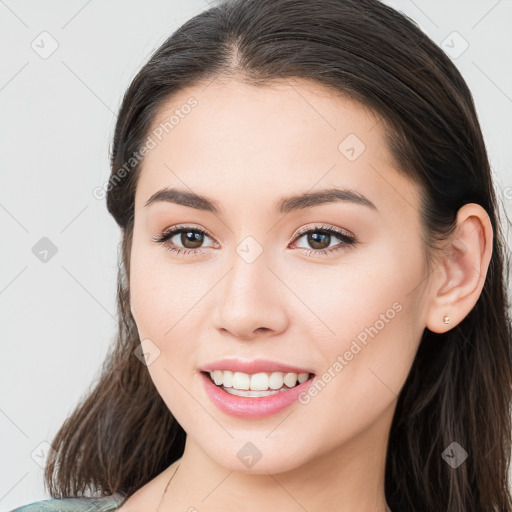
(254, 396)
(256, 385)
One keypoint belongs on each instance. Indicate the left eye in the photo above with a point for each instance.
(318, 236)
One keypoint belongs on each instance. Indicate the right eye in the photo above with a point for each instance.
(188, 235)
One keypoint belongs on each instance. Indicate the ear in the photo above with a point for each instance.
(460, 274)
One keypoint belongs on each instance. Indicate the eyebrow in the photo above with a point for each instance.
(285, 205)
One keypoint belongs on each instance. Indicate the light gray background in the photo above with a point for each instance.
(58, 115)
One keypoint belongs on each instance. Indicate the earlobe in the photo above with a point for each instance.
(462, 269)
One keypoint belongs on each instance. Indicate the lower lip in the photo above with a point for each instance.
(253, 407)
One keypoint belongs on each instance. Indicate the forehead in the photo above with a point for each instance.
(231, 140)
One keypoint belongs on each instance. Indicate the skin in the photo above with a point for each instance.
(246, 148)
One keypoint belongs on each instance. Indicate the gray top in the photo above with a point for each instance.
(105, 504)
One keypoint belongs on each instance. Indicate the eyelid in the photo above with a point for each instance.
(320, 227)
(182, 227)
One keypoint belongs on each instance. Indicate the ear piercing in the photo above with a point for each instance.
(446, 319)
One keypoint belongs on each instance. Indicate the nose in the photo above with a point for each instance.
(250, 301)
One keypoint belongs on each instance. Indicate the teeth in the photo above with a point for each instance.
(257, 381)
(241, 380)
(303, 377)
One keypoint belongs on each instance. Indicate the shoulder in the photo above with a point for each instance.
(82, 504)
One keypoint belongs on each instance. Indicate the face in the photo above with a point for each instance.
(255, 281)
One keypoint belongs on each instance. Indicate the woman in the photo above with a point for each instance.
(312, 310)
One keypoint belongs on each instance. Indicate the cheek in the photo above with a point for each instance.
(370, 310)
(376, 314)
(368, 359)
(163, 317)
(160, 293)
(168, 311)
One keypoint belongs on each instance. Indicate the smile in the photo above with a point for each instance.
(234, 393)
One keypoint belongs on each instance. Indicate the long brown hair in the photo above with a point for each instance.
(122, 434)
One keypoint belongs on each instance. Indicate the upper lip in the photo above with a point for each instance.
(255, 366)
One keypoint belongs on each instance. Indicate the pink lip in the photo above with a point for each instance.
(252, 407)
(256, 366)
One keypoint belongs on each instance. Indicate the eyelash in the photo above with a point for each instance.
(346, 240)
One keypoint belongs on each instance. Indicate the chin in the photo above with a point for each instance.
(255, 458)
